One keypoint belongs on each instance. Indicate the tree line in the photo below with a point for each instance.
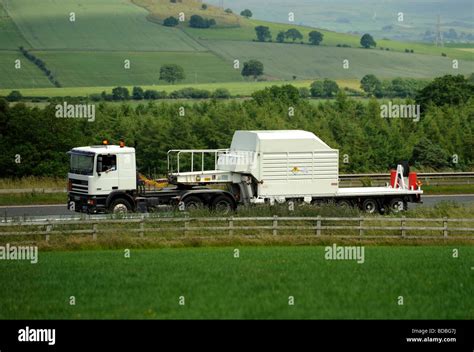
(35, 142)
(41, 65)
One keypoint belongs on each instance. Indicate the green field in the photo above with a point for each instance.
(282, 61)
(90, 52)
(101, 25)
(246, 32)
(214, 284)
(79, 69)
(28, 76)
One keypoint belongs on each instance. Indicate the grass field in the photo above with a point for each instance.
(79, 69)
(28, 76)
(32, 198)
(246, 32)
(100, 25)
(282, 61)
(258, 284)
(91, 51)
(161, 9)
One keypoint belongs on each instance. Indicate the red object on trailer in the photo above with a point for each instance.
(393, 178)
(412, 181)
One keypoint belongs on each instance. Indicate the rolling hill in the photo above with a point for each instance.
(90, 51)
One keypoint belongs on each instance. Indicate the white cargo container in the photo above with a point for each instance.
(290, 163)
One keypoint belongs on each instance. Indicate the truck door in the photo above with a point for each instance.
(107, 169)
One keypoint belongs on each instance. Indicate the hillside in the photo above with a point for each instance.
(91, 50)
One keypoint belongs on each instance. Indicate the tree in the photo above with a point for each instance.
(14, 96)
(324, 89)
(120, 93)
(221, 93)
(171, 73)
(304, 92)
(285, 95)
(330, 88)
(137, 93)
(429, 154)
(246, 13)
(204, 6)
(197, 21)
(315, 37)
(370, 83)
(170, 22)
(446, 90)
(252, 68)
(280, 37)
(228, 11)
(317, 89)
(293, 34)
(263, 33)
(367, 41)
(471, 78)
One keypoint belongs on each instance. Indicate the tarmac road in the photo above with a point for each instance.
(60, 209)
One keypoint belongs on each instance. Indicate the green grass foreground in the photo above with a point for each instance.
(105, 284)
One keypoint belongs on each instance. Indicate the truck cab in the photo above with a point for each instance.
(97, 172)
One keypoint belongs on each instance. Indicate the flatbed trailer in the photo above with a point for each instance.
(260, 167)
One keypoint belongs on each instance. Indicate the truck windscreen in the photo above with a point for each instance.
(81, 164)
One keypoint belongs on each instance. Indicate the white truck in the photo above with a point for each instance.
(260, 167)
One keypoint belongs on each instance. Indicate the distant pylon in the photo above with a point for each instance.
(439, 34)
(221, 3)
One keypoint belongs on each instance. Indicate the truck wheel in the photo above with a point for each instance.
(370, 206)
(192, 203)
(222, 204)
(120, 206)
(396, 205)
(344, 204)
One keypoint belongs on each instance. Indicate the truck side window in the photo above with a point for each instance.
(107, 163)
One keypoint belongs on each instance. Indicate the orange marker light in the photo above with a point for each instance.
(122, 144)
(105, 142)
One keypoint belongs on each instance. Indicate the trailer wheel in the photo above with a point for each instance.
(370, 206)
(222, 204)
(120, 206)
(192, 203)
(397, 205)
(344, 203)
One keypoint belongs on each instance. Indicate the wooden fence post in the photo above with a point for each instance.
(186, 225)
(275, 225)
(94, 231)
(48, 229)
(231, 226)
(318, 226)
(361, 223)
(445, 227)
(402, 226)
(142, 226)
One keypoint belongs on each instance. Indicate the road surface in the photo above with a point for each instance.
(49, 210)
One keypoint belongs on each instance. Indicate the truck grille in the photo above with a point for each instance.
(79, 186)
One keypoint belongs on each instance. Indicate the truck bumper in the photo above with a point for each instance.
(85, 204)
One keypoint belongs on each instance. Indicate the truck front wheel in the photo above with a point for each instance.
(120, 206)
